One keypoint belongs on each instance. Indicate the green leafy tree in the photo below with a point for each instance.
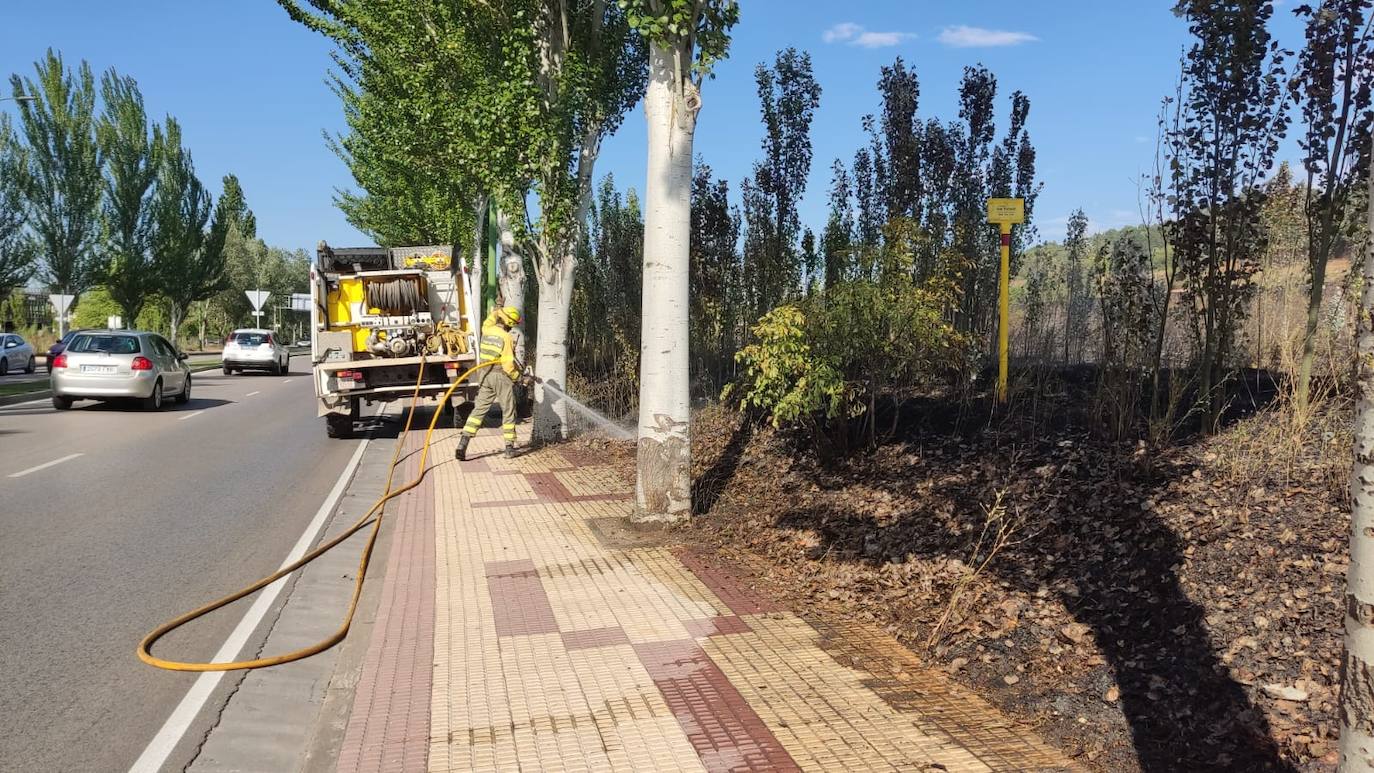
(686, 38)
(17, 249)
(61, 179)
(505, 99)
(717, 317)
(188, 255)
(1332, 87)
(1233, 116)
(838, 237)
(788, 97)
(131, 169)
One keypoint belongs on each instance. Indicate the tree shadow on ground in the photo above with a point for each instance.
(1093, 541)
(707, 488)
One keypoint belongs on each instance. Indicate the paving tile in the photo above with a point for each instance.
(547, 649)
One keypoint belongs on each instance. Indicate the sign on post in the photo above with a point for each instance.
(114, 322)
(1005, 213)
(257, 298)
(60, 304)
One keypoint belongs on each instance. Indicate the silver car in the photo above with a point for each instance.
(112, 364)
(15, 353)
(254, 349)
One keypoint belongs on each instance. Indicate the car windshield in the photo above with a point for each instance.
(250, 339)
(110, 344)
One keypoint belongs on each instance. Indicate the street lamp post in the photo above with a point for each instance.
(21, 98)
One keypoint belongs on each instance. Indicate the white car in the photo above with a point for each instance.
(15, 354)
(254, 349)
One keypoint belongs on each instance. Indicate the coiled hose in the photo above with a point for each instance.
(145, 647)
(402, 295)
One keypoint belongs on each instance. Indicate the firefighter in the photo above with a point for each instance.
(497, 383)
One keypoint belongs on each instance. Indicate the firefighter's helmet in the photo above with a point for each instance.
(509, 315)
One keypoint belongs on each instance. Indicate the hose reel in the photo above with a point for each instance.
(400, 296)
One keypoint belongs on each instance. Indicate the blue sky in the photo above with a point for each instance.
(248, 86)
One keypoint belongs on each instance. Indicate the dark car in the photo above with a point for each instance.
(60, 346)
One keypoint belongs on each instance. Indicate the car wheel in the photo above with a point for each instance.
(61, 403)
(185, 396)
(338, 425)
(228, 370)
(4, 367)
(153, 402)
(32, 366)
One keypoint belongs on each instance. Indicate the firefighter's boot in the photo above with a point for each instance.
(462, 453)
(510, 451)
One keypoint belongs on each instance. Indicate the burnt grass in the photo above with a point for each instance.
(1155, 608)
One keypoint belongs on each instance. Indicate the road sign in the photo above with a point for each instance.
(114, 322)
(1005, 213)
(257, 298)
(300, 301)
(1006, 210)
(60, 303)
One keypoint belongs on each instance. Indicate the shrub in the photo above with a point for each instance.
(834, 356)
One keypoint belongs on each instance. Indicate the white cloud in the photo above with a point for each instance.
(843, 31)
(881, 39)
(855, 35)
(962, 36)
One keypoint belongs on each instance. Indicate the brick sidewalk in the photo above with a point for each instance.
(511, 636)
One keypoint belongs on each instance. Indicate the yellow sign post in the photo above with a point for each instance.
(1005, 213)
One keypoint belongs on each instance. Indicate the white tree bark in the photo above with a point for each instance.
(512, 282)
(475, 272)
(1357, 672)
(551, 350)
(663, 489)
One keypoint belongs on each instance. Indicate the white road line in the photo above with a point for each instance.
(288, 381)
(190, 415)
(44, 465)
(250, 394)
(185, 713)
(28, 402)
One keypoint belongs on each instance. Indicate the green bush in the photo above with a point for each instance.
(833, 356)
(781, 374)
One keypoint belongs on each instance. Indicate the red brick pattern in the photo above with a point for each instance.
(726, 733)
(727, 587)
(519, 604)
(388, 728)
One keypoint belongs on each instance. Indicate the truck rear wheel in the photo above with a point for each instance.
(338, 425)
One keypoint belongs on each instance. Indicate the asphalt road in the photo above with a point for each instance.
(136, 518)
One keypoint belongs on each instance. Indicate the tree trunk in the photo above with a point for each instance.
(479, 257)
(671, 101)
(512, 279)
(176, 312)
(1309, 340)
(551, 351)
(1357, 670)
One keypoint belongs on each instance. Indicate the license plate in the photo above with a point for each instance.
(98, 369)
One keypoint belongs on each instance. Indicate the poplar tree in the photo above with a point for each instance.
(686, 38)
(61, 174)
